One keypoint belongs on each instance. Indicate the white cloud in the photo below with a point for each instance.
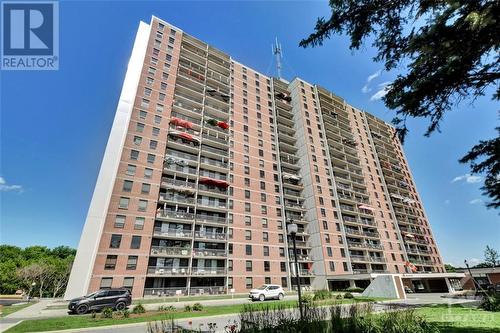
(476, 201)
(474, 261)
(447, 202)
(366, 88)
(4, 187)
(383, 90)
(468, 178)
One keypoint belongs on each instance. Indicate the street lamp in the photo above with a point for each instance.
(292, 231)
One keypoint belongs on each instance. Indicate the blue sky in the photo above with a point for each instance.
(54, 125)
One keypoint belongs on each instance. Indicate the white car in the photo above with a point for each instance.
(267, 291)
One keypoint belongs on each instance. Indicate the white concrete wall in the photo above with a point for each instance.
(91, 235)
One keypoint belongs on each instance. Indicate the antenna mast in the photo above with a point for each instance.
(278, 53)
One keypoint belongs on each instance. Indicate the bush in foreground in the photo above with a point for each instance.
(322, 295)
(491, 303)
(107, 312)
(138, 309)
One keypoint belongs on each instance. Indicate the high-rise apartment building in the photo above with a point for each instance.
(208, 160)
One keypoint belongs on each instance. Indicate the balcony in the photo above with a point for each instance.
(168, 271)
(176, 199)
(217, 236)
(217, 205)
(176, 215)
(172, 233)
(169, 182)
(211, 219)
(213, 151)
(218, 164)
(209, 253)
(349, 219)
(160, 251)
(166, 292)
(208, 271)
(365, 245)
(213, 189)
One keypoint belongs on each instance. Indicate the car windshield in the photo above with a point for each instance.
(93, 294)
(262, 288)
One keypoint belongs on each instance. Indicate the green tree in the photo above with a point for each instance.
(450, 50)
(491, 256)
(449, 268)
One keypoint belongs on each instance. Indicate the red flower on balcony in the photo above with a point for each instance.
(181, 123)
(214, 182)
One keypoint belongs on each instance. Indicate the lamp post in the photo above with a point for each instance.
(292, 231)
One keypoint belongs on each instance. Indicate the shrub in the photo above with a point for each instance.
(125, 313)
(138, 309)
(491, 303)
(354, 290)
(322, 294)
(93, 314)
(339, 296)
(197, 307)
(348, 295)
(166, 308)
(107, 312)
(307, 299)
(187, 308)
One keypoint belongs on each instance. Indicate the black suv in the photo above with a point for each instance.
(117, 299)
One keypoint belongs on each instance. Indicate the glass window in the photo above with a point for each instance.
(128, 283)
(148, 173)
(139, 223)
(110, 263)
(131, 170)
(143, 205)
(106, 282)
(145, 188)
(115, 241)
(132, 262)
(120, 221)
(123, 204)
(127, 185)
(136, 242)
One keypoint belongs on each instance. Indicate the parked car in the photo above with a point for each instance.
(117, 298)
(267, 291)
(493, 288)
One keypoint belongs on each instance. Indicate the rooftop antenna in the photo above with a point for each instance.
(278, 53)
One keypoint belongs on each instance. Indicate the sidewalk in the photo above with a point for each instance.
(31, 311)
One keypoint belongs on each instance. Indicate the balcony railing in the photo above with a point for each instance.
(213, 162)
(168, 271)
(177, 199)
(213, 204)
(211, 219)
(209, 252)
(172, 233)
(170, 251)
(205, 148)
(180, 183)
(208, 271)
(210, 235)
(165, 292)
(175, 214)
(364, 245)
(207, 290)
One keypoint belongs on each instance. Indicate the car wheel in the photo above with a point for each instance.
(262, 298)
(120, 306)
(280, 297)
(82, 309)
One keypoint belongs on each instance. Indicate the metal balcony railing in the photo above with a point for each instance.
(168, 271)
(209, 252)
(170, 251)
(210, 235)
(175, 214)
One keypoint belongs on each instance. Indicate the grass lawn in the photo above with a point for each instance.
(7, 310)
(458, 319)
(72, 322)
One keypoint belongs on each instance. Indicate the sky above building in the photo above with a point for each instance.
(55, 124)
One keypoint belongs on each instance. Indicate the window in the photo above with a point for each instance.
(249, 283)
(332, 266)
(329, 251)
(139, 223)
(128, 283)
(132, 262)
(123, 204)
(266, 251)
(284, 282)
(145, 188)
(120, 221)
(131, 170)
(143, 205)
(248, 235)
(110, 263)
(106, 282)
(267, 266)
(151, 158)
(248, 250)
(134, 155)
(283, 266)
(115, 241)
(265, 236)
(264, 223)
(248, 221)
(136, 242)
(148, 173)
(248, 265)
(127, 185)
(139, 127)
(153, 144)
